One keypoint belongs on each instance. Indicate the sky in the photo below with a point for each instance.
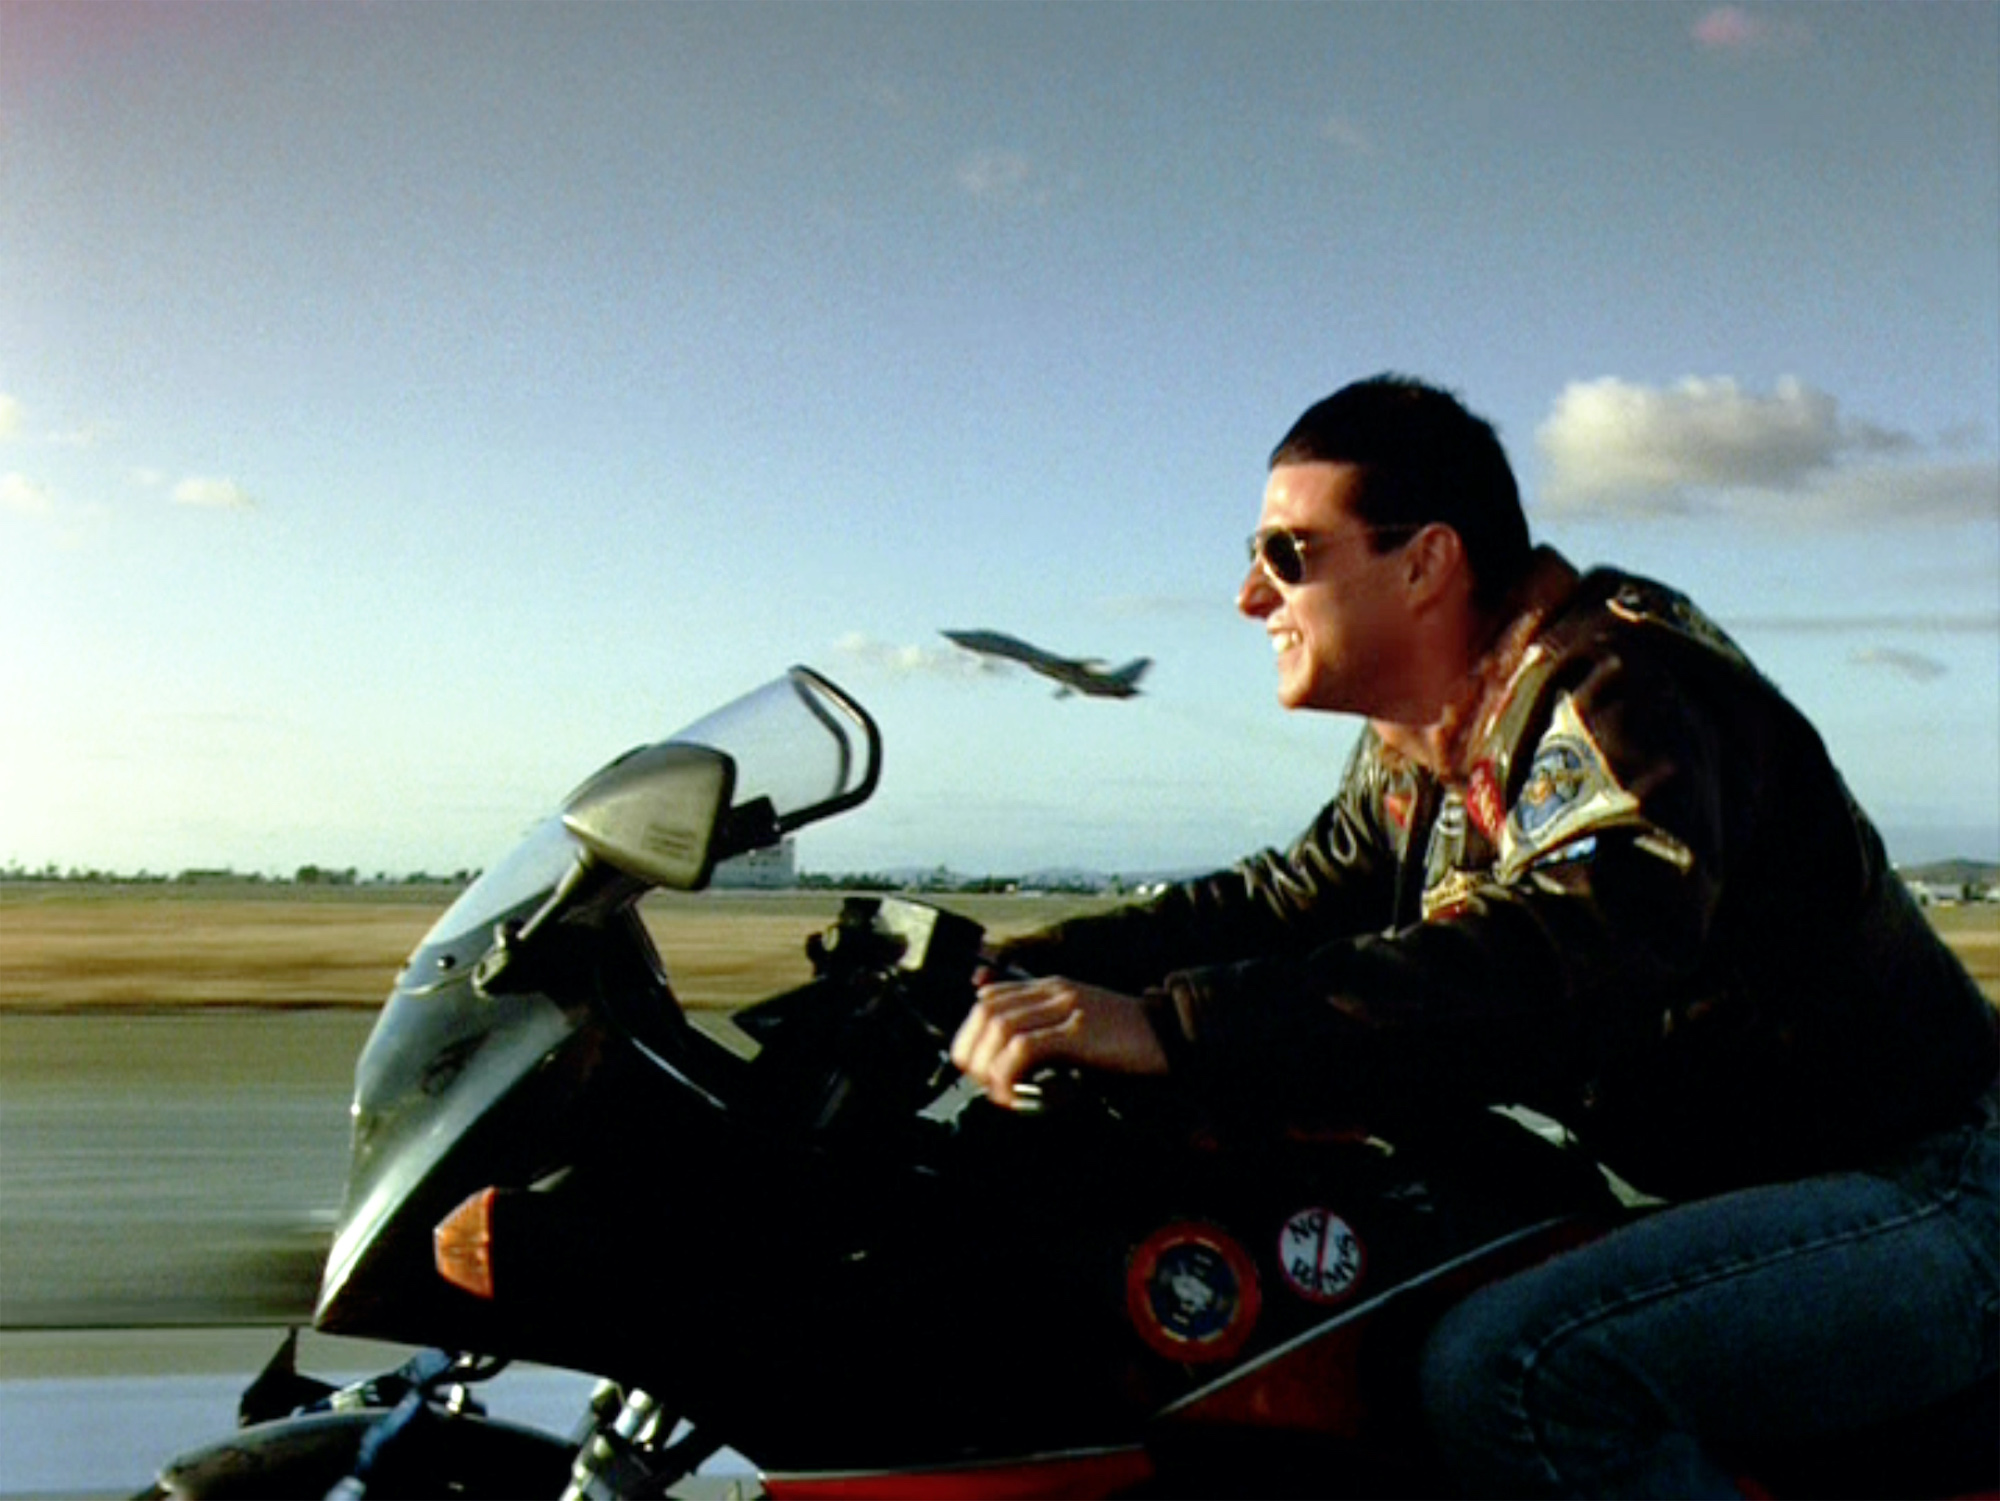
(404, 408)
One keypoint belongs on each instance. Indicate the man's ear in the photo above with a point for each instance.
(1433, 562)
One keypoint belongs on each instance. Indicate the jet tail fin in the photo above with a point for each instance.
(1131, 672)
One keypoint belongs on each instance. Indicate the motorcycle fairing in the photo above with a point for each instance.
(1313, 1382)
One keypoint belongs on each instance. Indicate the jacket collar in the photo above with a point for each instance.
(1475, 707)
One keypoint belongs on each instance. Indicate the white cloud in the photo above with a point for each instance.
(10, 416)
(1616, 447)
(223, 494)
(915, 661)
(88, 435)
(23, 496)
(58, 520)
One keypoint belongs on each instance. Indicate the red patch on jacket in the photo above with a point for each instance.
(1483, 801)
(1397, 806)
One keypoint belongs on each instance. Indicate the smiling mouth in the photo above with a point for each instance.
(1284, 641)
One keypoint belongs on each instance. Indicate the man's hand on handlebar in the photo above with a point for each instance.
(1020, 1025)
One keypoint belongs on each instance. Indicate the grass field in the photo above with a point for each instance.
(66, 945)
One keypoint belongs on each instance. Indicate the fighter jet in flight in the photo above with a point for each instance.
(1087, 676)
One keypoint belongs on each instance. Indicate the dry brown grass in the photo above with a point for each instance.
(1974, 935)
(63, 946)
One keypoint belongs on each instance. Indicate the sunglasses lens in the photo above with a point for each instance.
(1280, 554)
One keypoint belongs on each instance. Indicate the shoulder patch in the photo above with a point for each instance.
(1569, 790)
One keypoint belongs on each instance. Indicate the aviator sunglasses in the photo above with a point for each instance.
(1281, 550)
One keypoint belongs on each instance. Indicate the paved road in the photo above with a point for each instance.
(167, 1182)
(170, 1168)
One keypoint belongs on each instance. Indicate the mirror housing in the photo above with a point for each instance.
(654, 813)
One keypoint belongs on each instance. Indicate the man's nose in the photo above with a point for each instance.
(1258, 597)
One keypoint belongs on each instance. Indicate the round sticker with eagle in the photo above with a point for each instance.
(1320, 1254)
(1192, 1293)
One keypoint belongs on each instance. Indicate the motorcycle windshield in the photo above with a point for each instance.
(448, 1055)
(801, 749)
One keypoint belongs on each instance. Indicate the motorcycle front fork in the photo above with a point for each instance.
(627, 1447)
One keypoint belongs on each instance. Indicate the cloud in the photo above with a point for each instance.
(1731, 31)
(23, 496)
(1004, 177)
(60, 521)
(1615, 447)
(1928, 491)
(219, 494)
(1909, 664)
(915, 661)
(88, 435)
(13, 424)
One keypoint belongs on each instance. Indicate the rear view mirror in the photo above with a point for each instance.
(654, 814)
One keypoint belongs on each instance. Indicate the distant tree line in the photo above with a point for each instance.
(942, 879)
(936, 879)
(305, 875)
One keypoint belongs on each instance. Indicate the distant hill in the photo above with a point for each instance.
(1953, 873)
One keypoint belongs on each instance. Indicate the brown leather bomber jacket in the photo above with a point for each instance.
(1642, 901)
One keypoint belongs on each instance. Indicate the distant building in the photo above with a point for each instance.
(1936, 893)
(771, 869)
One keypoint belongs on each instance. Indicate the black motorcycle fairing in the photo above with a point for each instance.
(458, 1089)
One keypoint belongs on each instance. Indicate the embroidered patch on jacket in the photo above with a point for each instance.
(1569, 790)
(1484, 802)
(1559, 777)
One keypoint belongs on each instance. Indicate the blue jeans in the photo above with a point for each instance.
(1630, 1366)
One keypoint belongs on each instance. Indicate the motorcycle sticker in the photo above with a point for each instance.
(1320, 1255)
(1192, 1293)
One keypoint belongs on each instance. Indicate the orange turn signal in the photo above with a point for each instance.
(462, 1245)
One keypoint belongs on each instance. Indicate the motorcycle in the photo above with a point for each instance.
(799, 1233)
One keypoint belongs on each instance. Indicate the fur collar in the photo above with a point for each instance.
(1475, 707)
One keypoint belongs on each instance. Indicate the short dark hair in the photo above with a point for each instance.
(1424, 458)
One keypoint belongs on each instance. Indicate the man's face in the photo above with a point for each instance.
(1340, 631)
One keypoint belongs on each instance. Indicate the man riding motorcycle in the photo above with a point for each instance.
(1585, 859)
